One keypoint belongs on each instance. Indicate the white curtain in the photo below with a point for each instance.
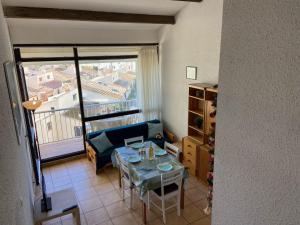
(149, 83)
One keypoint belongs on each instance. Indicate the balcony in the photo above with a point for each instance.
(60, 131)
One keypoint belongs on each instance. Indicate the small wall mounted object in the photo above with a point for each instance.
(191, 72)
(13, 91)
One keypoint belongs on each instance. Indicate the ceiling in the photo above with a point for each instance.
(154, 7)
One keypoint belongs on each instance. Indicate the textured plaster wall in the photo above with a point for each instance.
(22, 33)
(193, 41)
(15, 175)
(257, 161)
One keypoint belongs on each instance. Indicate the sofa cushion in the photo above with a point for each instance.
(101, 143)
(144, 124)
(118, 135)
(155, 129)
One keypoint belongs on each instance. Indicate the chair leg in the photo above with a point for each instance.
(178, 204)
(123, 190)
(148, 200)
(131, 196)
(163, 208)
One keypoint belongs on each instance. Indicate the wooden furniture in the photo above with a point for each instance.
(101, 158)
(191, 150)
(172, 149)
(148, 176)
(170, 188)
(203, 163)
(63, 202)
(201, 124)
(91, 155)
(126, 179)
(134, 139)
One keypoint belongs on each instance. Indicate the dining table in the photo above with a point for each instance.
(144, 173)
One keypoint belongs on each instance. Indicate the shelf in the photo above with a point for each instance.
(197, 112)
(212, 90)
(196, 129)
(194, 97)
(197, 138)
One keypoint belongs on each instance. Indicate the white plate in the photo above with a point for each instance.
(160, 152)
(137, 145)
(134, 159)
(164, 167)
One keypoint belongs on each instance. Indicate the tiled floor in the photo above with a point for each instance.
(100, 201)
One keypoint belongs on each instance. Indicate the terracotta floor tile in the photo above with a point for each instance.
(195, 194)
(86, 194)
(203, 221)
(173, 219)
(104, 188)
(201, 204)
(100, 180)
(80, 185)
(97, 216)
(61, 181)
(110, 198)
(71, 221)
(127, 219)
(79, 177)
(56, 221)
(191, 213)
(63, 187)
(117, 209)
(100, 201)
(138, 215)
(90, 204)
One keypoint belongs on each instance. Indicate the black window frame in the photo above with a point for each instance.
(76, 59)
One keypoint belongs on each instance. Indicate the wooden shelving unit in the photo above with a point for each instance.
(200, 108)
(199, 105)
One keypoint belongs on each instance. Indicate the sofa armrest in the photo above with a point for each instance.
(90, 150)
(170, 135)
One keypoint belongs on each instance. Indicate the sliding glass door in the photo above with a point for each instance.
(83, 89)
(58, 120)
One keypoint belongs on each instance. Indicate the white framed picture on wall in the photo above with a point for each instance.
(191, 72)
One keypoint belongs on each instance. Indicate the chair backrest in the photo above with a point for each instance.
(132, 140)
(172, 149)
(123, 168)
(172, 177)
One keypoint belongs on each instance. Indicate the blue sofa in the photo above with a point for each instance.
(117, 135)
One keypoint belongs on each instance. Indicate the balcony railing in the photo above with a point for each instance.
(63, 124)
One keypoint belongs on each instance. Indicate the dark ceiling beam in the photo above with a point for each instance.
(188, 0)
(84, 15)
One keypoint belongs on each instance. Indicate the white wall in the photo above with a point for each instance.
(27, 31)
(193, 41)
(15, 173)
(257, 170)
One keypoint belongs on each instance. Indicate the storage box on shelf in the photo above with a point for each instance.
(201, 122)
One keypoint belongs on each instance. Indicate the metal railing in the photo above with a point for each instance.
(63, 124)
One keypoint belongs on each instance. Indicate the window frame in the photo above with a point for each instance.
(76, 59)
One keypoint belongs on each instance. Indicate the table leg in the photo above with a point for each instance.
(182, 196)
(144, 212)
(119, 176)
(76, 214)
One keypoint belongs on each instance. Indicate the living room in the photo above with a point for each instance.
(205, 90)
